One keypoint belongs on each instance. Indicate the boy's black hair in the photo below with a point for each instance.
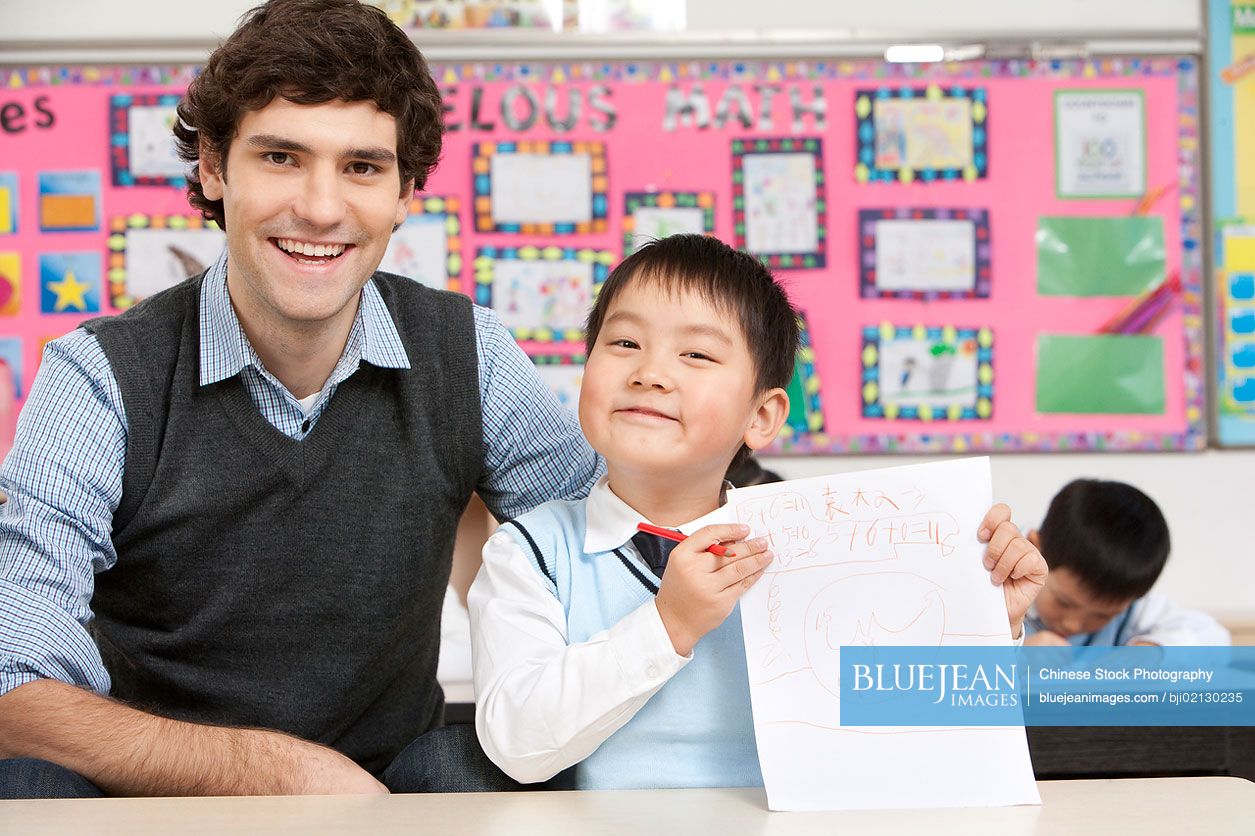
(733, 282)
(1110, 535)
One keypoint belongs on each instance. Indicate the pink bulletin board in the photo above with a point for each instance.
(851, 179)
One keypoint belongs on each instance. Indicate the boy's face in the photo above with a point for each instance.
(1068, 607)
(311, 195)
(669, 387)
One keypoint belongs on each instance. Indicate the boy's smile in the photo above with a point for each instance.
(669, 389)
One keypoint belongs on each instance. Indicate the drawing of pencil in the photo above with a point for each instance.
(1136, 313)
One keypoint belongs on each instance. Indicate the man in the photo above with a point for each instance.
(232, 508)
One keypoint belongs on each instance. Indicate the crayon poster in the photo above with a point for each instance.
(956, 252)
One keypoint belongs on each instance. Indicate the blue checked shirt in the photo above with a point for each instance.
(64, 473)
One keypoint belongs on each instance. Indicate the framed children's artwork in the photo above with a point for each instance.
(542, 294)
(148, 254)
(545, 188)
(142, 148)
(911, 253)
(779, 208)
(564, 373)
(428, 245)
(928, 373)
(933, 133)
(650, 216)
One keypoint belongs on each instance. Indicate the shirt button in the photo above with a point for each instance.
(305, 427)
(651, 672)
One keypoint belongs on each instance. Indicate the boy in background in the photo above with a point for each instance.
(591, 644)
(1106, 543)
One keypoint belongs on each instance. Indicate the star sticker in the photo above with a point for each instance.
(70, 292)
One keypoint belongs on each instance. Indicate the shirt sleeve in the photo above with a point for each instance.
(533, 448)
(541, 704)
(1155, 619)
(63, 477)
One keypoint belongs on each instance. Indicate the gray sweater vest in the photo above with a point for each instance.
(291, 585)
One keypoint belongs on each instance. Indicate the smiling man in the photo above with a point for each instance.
(232, 508)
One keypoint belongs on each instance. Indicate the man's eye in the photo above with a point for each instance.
(278, 157)
(362, 168)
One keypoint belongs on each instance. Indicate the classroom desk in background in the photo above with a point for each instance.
(1215, 806)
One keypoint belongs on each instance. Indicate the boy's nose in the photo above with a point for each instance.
(651, 377)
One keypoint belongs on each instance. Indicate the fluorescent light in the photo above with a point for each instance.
(914, 53)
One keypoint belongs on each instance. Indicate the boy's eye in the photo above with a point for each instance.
(696, 355)
(624, 343)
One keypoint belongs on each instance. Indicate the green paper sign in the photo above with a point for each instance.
(1122, 256)
(1100, 374)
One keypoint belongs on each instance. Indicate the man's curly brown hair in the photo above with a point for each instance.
(310, 52)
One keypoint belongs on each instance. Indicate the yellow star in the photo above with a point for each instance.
(70, 291)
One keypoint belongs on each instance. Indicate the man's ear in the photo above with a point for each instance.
(768, 418)
(209, 168)
(403, 204)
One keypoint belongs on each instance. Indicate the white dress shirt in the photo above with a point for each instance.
(542, 705)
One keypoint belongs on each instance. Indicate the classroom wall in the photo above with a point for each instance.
(1203, 494)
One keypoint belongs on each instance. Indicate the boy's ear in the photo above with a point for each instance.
(209, 169)
(768, 418)
(1033, 537)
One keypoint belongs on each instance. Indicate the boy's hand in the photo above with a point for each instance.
(1045, 638)
(1013, 562)
(699, 589)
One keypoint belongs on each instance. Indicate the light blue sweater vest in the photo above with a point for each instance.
(697, 730)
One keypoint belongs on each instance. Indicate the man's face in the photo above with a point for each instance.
(311, 195)
(669, 385)
(1068, 607)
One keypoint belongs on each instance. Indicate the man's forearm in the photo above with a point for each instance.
(129, 752)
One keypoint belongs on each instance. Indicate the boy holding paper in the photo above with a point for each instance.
(591, 646)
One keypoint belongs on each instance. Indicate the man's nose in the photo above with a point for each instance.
(320, 201)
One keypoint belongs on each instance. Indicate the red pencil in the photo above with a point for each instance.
(672, 534)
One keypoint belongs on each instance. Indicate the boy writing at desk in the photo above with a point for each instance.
(1106, 543)
(591, 646)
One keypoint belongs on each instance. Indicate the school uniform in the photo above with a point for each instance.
(1151, 618)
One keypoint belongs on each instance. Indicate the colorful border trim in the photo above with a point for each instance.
(481, 185)
(867, 252)
(865, 169)
(873, 336)
(120, 105)
(812, 403)
(446, 208)
(665, 200)
(119, 298)
(741, 148)
(485, 257)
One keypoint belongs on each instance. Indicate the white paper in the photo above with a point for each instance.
(160, 258)
(780, 212)
(1102, 141)
(151, 151)
(542, 188)
(882, 557)
(542, 294)
(925, 254)
(419, 250)
(653, 223)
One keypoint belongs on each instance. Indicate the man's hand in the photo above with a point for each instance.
(699, 589)
(1045, 638)
(1013, 562)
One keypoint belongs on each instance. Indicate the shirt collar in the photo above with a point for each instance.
(612, 522)
(225, 349)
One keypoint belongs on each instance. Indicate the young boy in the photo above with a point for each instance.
(585, 650)
(1106, 543)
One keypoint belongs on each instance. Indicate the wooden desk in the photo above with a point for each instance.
(1142, 806)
